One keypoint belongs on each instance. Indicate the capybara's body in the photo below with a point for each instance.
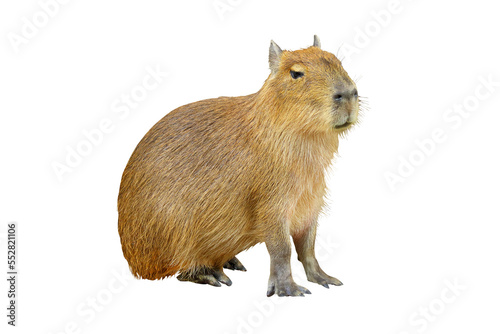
(215, 177)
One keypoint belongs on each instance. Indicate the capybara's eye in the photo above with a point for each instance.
(337, 97)
(296, 74)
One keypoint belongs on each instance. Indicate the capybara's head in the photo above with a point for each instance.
(314, 91)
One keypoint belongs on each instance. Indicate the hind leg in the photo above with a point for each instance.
(210, 276)
(234, 264)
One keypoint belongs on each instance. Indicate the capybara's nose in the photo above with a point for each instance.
(346, 94)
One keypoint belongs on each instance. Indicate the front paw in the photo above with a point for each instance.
(285, 288)
(320, 277)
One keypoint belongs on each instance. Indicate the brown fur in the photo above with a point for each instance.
(215, 177)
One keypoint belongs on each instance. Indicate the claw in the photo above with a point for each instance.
(270, 291)
(338, 283)
(285, 288)
(221, 277)
(214, 283)
(207, 276)
(295, 293)
(234, 264)
(305, 290)
(240, 267)
(317, 275)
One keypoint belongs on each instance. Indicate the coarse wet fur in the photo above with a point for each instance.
(215, 177)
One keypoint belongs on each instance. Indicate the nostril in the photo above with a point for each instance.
(342, 95)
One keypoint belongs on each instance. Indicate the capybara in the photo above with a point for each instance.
(215, 177)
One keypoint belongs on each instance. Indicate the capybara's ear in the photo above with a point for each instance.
(274, 56)
(317, 43)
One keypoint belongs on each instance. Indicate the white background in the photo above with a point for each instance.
(396, 249)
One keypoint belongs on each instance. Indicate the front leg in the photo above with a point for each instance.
(281, 280)
(304, 244)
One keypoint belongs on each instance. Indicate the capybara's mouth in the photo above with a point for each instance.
(343, 126)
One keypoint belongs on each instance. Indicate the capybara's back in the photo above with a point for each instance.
(215, 177)
(184, 196)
